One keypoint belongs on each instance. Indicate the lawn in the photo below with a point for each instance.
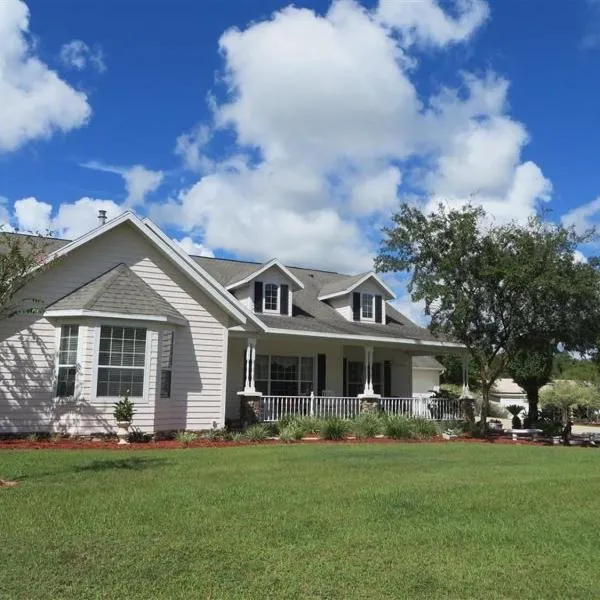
(303, 521)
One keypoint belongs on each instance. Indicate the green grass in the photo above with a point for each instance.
(302, 521)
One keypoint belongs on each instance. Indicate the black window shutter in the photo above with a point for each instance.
(258, 296)
(345, 377)
(284, 300)
(387, 379)
(378, 309)
(356, 306)
(321, 373)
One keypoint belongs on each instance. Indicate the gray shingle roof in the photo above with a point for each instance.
(46, 244)
(336, 287)
(118, 291)
(426, 362)
(310, 313)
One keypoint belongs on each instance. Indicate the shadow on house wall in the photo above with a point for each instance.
(27, 402)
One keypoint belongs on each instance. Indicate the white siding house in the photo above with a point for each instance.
(127, 311)
(426, 372)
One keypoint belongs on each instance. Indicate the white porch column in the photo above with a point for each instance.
(368, 370)
(249, 384)
(466, 393)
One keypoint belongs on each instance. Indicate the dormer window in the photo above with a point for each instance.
(367, 310)
(271, 298)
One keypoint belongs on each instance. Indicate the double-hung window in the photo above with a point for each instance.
(121, 361)
(67, 361)
(166, 364)
(271, 297)
(284, 375)
(366, 306)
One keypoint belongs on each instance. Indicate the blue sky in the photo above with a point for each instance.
(247, 128)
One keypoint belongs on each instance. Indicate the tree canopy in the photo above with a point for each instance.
(565, 394)
(19, 256)
(502, 290)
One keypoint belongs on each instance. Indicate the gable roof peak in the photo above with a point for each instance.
(348, 284)
(252, 273)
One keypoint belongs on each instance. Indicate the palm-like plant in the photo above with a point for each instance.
(515, 410)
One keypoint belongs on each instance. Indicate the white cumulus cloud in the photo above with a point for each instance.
(76, 54)
(139, 181)
(426, 22)
(71, 220)
(331, 133)
(194, 248)
(35, 101)
(584, 217)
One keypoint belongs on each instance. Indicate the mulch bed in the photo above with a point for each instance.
(88, 444)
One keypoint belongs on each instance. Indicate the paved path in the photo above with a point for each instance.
(506, 424)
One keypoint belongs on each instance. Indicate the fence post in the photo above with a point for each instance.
(312, 404)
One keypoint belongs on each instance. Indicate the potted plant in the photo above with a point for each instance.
(515, 410)
(123, 413)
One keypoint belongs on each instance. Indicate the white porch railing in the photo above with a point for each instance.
(274, 408)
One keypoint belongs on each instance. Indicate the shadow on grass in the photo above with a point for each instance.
(136, 463)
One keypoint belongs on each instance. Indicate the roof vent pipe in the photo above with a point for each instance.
(102, 217)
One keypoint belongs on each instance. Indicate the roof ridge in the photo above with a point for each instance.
(254, 262)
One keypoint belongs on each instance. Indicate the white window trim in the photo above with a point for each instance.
(362, 296)
(299, 357)
(271, 311)
(150, 340)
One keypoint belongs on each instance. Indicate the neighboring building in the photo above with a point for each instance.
(426, 372)
(128, 311)
(506, 392)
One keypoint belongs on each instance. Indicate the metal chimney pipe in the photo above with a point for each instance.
(102, 217)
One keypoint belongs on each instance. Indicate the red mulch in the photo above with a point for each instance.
(87, 444)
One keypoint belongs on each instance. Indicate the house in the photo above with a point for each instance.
(190, 339)
(506, 392)
(426, 372)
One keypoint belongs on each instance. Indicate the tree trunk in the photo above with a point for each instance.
(533, 399)
(485, 405)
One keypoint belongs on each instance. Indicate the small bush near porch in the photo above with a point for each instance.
(357, 521)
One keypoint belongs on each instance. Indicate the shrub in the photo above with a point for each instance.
(32, 437)
(257, 433)
(273, 428)
(366, 426)
(424, 428)
(333, 429)
(216, 435)
(185, 438)
(137, 436)
(291, 433)
(309, 425)
(398, 428)
(123, 410)
(238, 436)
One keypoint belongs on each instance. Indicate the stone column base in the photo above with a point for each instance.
(369, 403)
(250, 407)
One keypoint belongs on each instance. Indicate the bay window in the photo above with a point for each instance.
(166, 364)
(121, 361)
(67, 361)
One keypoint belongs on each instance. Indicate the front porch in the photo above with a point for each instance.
(274, 378)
